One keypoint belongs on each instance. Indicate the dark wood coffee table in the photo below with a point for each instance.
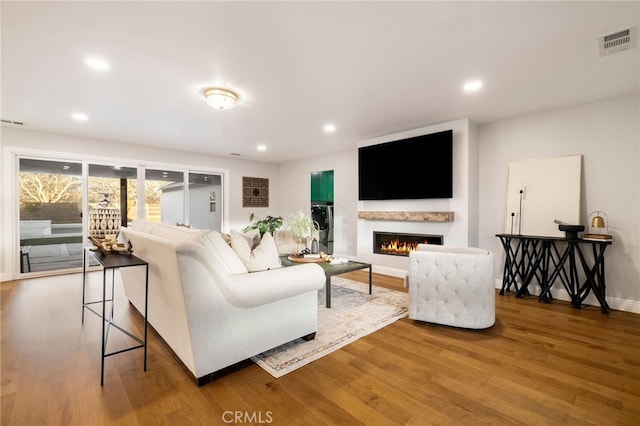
(331, 270)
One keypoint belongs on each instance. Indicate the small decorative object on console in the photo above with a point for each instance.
(104, 218)
(598, 229)
(110, 245)
(571, 231)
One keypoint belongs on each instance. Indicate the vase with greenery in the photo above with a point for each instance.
(268, 224)
(302, 227)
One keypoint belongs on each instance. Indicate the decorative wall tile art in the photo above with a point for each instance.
(255, 192)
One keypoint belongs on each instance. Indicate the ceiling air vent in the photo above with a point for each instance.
(19, 123)
(617, 42)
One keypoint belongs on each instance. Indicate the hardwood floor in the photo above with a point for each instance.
(540, 364)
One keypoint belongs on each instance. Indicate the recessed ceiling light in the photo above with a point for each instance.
(262, 147)
(78, 116)
(329, 128)
(472, 86)
(97, 64)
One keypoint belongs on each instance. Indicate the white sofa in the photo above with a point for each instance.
(452, 286)
(209, 312)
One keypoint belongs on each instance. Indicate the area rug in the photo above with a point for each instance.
(354, 313)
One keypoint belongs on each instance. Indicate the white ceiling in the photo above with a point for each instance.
(371, 68)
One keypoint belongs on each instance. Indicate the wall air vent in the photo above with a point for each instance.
(617, 42)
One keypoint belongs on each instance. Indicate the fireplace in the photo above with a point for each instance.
(398, 244)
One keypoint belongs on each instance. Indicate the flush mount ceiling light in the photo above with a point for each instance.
(220, 98)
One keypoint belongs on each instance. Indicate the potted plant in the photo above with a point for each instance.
(302, 227)
(268, 224)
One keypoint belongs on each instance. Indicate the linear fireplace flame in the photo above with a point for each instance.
(398, 244)
(398, 247)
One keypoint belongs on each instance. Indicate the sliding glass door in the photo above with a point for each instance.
(164, 196)
(52, 198)
(119, 184)
(50, 228)
(167, 201)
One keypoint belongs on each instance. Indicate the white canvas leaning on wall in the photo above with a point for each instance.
(540, 191)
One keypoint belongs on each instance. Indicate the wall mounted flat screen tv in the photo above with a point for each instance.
(413, 168)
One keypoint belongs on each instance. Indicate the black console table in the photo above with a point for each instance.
(548, 259)
(113, 262)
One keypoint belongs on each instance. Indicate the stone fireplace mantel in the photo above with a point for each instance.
(407, 216)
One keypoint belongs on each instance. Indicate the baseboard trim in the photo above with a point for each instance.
(616, 303)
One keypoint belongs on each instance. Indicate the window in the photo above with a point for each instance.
(164, 196)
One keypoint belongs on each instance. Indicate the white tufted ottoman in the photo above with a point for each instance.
(452, 286)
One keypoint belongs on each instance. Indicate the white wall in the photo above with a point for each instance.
(607, 134)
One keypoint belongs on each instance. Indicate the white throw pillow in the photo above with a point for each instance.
(252, 236)
(217, 245)
(264, 256)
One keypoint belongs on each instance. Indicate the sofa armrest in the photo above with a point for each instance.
(259, 288)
